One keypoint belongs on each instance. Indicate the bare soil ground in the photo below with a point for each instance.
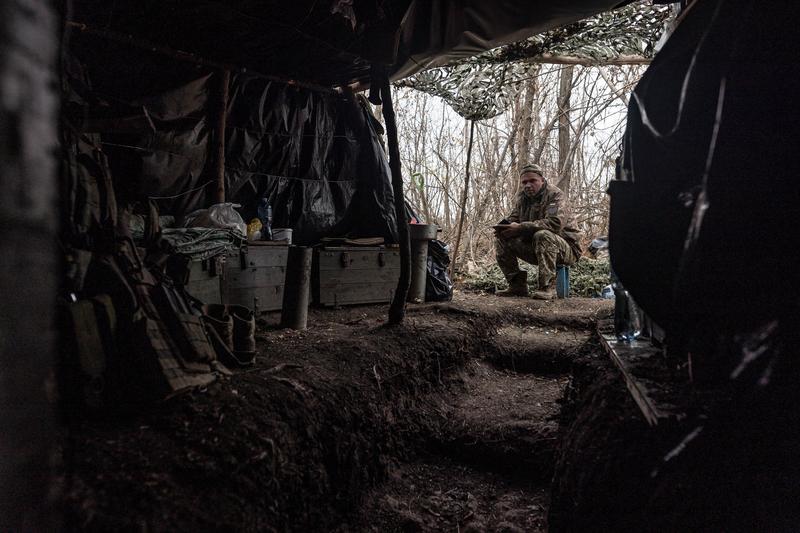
(448, 422)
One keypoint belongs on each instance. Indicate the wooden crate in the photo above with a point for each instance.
(205, 280)
(255, 277)
(354, 275)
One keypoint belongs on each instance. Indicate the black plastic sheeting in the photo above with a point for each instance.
(438, 286)
(152, 115)
(166, 155)
(703, 218)
(315, 156)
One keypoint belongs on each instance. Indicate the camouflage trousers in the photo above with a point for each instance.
(545, 249)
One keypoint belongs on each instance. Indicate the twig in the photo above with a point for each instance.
(377, 377)
(274, 370)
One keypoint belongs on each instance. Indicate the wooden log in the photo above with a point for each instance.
(556, 59)
(660, 394)
(224, 83)
(397, 309)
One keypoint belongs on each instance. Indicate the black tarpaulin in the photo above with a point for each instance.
(308, 40)
(702, 221)
(154, 117)
(314, 155)
(165, 155)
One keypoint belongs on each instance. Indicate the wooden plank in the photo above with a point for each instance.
(619, 352)
(358, 259)
(260, 256)
(206, 290)
(270, 298)
(359, 276)
(257, 258)
(368, 276)
(353, 248)
(345, 287)
(352, 294)
(262, 278)
(204, 283)
(255, 277)
(662, 394)
(279, 242)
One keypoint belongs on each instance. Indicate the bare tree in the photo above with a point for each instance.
(564, 94)
(569, 119)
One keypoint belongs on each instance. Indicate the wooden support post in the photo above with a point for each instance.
(224, 82)
(463, 202)
(397, 309)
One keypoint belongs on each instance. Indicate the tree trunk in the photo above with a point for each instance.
(526, 124)
(28, 281)
(463, 200)
(564, 94)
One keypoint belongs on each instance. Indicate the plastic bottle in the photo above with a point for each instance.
(607, 292)
(627, 323)
(265, 215)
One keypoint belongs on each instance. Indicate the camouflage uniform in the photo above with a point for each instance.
(548, 238)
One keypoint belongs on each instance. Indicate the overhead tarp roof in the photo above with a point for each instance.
(330, 42)
(436, 33)
(484, 85)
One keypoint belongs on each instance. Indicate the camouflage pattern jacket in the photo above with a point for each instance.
(546, 210)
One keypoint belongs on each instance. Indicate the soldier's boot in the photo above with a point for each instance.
(216, 317)
(546, 293)
(517, 285)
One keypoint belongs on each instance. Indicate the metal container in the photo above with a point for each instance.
(420, 235)
(298, 288)
(279, 234)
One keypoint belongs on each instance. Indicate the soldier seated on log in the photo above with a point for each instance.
(539, 230)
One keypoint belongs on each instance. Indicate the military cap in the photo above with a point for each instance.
(531, 167)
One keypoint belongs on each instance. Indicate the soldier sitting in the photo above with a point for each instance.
(539, 232)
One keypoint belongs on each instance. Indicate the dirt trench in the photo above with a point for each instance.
(449, 422)
(490, 466)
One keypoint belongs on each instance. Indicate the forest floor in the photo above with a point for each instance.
(449, 422)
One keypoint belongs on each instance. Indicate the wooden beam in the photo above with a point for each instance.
(397, 309)
(556, 59)
(659, 393)
(618, 352)
(224, 83)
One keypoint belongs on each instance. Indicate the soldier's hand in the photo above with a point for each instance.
(514, 230)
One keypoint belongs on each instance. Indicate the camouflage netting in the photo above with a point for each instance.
(483, 86)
